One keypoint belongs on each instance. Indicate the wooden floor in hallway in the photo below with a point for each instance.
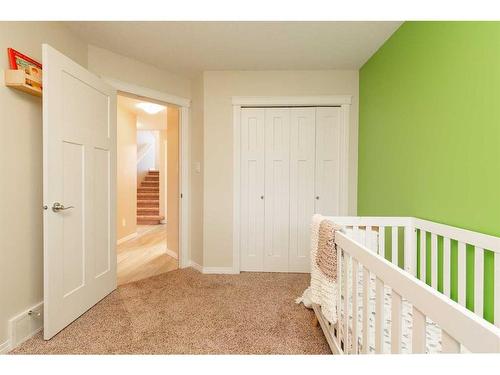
(145, 255)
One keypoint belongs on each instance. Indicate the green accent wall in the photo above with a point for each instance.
(429, 130)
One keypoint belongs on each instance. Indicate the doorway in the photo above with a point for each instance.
(147, 188)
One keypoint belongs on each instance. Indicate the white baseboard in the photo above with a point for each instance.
(126, 238)
(196, 266)
(25, 325)
(212, 270)
(219, 270)
(172, 253)
(5, 347)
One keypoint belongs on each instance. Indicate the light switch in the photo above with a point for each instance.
(197, 167)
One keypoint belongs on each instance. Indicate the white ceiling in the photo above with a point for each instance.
(145, 121)
(187, 48)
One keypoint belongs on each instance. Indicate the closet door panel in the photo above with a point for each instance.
(252, 189)
(277, 186)
(302, 164)
(328, 154)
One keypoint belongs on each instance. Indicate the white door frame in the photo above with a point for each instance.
(185, 144)
(239, 102)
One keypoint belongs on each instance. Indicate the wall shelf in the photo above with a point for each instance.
(20, 80)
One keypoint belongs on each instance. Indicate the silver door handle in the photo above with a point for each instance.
(56, 207)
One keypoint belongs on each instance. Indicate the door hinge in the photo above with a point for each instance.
(181, 195)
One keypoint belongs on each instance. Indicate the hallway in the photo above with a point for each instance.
(145, 255)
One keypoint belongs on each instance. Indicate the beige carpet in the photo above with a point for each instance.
(185, 312)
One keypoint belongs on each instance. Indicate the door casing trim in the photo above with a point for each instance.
(185, 146)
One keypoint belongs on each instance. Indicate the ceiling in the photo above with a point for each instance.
(187, 48)
(145, 121)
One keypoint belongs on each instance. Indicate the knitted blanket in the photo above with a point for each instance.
(324, 266)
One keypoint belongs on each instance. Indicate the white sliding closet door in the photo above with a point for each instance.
(277, 189)
(290, 169)
(328, 157)
(302, 164)
(252, 189)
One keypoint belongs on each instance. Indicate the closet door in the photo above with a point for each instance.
(252, 189)
(302, 164)
(328, 157)
(277, 189)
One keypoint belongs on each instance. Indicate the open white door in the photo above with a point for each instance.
(79, 184)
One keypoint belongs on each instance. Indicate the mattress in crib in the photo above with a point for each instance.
(433, 332)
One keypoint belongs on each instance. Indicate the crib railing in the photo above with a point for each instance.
(437, 255)
(459, 326)
(472, 275)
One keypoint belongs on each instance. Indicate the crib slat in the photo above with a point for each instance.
(345, 284)
(446, 266)
(396, 323)
(461, 273)
(368, 237)
(355, 328)
(339, 291)
(356, 233)
(497, 290)
(418, 332)
(478, 280)
(410, 254)
(423, 255)
(379, 317)
(394, 246)
(448, 343)
(434, 261)
(366, 309)
(381, 241)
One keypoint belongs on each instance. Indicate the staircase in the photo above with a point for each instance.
(148, 200)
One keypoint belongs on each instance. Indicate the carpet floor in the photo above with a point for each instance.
(186, 312)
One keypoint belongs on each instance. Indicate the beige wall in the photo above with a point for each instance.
(112, 65)
(163, 168)
(196, 191)
(21, 231)
(173, 179)
(147, 140)
(219, 87)
(126, 183)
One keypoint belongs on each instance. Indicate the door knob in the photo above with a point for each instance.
(56, 207)
(317, 197)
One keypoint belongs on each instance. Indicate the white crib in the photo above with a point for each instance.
(395, 298)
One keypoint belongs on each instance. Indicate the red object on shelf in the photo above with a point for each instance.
(15, 55)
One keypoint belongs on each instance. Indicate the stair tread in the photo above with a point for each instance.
(148, 199)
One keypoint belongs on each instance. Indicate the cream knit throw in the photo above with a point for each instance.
(323, 288)
(326, 256)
